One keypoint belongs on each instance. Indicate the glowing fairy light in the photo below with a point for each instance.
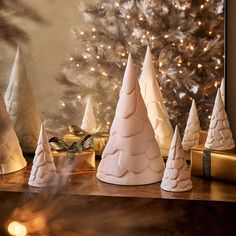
(210, 32)
(104, 73)
(141, 18)
(209, 117)
(153, 37)
(82, 33)
(94, 36)
(166, 36)
(191, 47)
(202, 6)
(205, 49)
(92, 69)
(16, 229)
(71, 58)
(143, 36)
(108, 123)
(128, 16)
(88, 49)
(63, 104)
(180, 71)
(181, 40)
(117, 4)
(93, 29)
(77, 65)
(79, 97)
(199, 65)
(199, 22)
(178, 64)
(216, 67)
(109, 47)
(123, 54)
(98, 57)
(160, 63)
(216, 84)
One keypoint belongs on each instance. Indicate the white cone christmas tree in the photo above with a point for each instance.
(11, 157)
(89, 120)
(154, 102)
(222, 90)
(219, 135)
(192, 129)
(177, 176)
(21, 106)
(132, 154)
(43, 172)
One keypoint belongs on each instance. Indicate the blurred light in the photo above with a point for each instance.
(108, 123)
(199, 65)
(141, 18)
(81, 33)
(216, 84)
(123, 54)
(160, 63)
(77, 65)
(166, 36)
(180, 71)
(94, 29)
(216, 67)
(128, 16)
(191, 47)
(88, 49)
(79, 97)
(181, 40)
(63, 104)
(94, 36)
(17, 229)
(92, 69)
(108, 47)
(210, 32)
(143, 35)
(178, 64)
(209, 117)
(202, 6)
(205, 49)
(117, 4)
(98, 57)
(104, 73)
(102, 45)
(71, 58)
(199, 22)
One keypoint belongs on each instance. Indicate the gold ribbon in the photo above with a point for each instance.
(59, 145)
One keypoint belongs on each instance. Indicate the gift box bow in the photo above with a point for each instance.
(60, 146)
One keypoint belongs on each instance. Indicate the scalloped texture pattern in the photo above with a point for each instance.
(11, 157)
(219, 134)
(21, 106)
(177, 176)
(132, 155)
(43, 172)
(154, 102)
(192, 129)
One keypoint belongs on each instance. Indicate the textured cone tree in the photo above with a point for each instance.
(11, 157)
(219, 135)
(192, 129)
(89, 120)
(21, 106)
(177, 176)
(154, 102)
(43, 173)
(132, 154)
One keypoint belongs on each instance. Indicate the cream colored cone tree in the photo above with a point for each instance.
(192, 129)
(177, 176)
(89, 120)
(219, 135)
(132, 154)
(154, 102)
(11, 157)
(43, 172)
(21, 106)
(222, 90)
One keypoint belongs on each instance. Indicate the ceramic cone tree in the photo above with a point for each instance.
(219, 134)
(43, 173)
(21, 106)
(222, 90)
(11, 157)
(89, 120)
(177, 176)
(132, 155)
(192, 129)
(154, 102)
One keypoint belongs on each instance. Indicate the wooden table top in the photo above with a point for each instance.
(88, 184)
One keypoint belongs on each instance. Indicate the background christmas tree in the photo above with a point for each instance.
(186, 38)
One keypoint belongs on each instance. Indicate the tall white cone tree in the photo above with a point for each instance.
(132, 154)
(154, 102)
(43, 172)
(11, 157)
(222, 90)
(89, 120)
(177, 176)
(219, 135)
(192, 129)
(21, 106)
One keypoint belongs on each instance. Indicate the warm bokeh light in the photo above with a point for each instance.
(17, 229)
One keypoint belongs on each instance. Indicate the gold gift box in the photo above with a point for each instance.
(98, 145)
(223, 163)
(75, 162)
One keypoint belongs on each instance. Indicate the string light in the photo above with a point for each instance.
(133, 34)
(202, 6)
(180, 71)
(98, 57)
(160, 63)
(166, 36)
(17, 229)
(85, 57)
(141, 18)
(79, 97)
(94, 29)
(199, 65)
(143, 36)
(210, 32)
(77, 65)
(191, 47)
(178, 64)
(216, 84)
(108, 47)
(216, 67)
(88, 49)
(94, 36)
(71, 58)
(199, 22)
(82, 33)
(209, 117)
(104, 73)
(181, 40)
(123, 54)
(117, 4)
(63, 104)
(92, 69)
(205, 49)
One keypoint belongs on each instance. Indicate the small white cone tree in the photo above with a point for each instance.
(43, 172)
(192, 129)
(21, 106)
(11, 157)
(89, 120)
(132, 154)
(219, 135)
(222, 90)
(177, 175)
(154, 102)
